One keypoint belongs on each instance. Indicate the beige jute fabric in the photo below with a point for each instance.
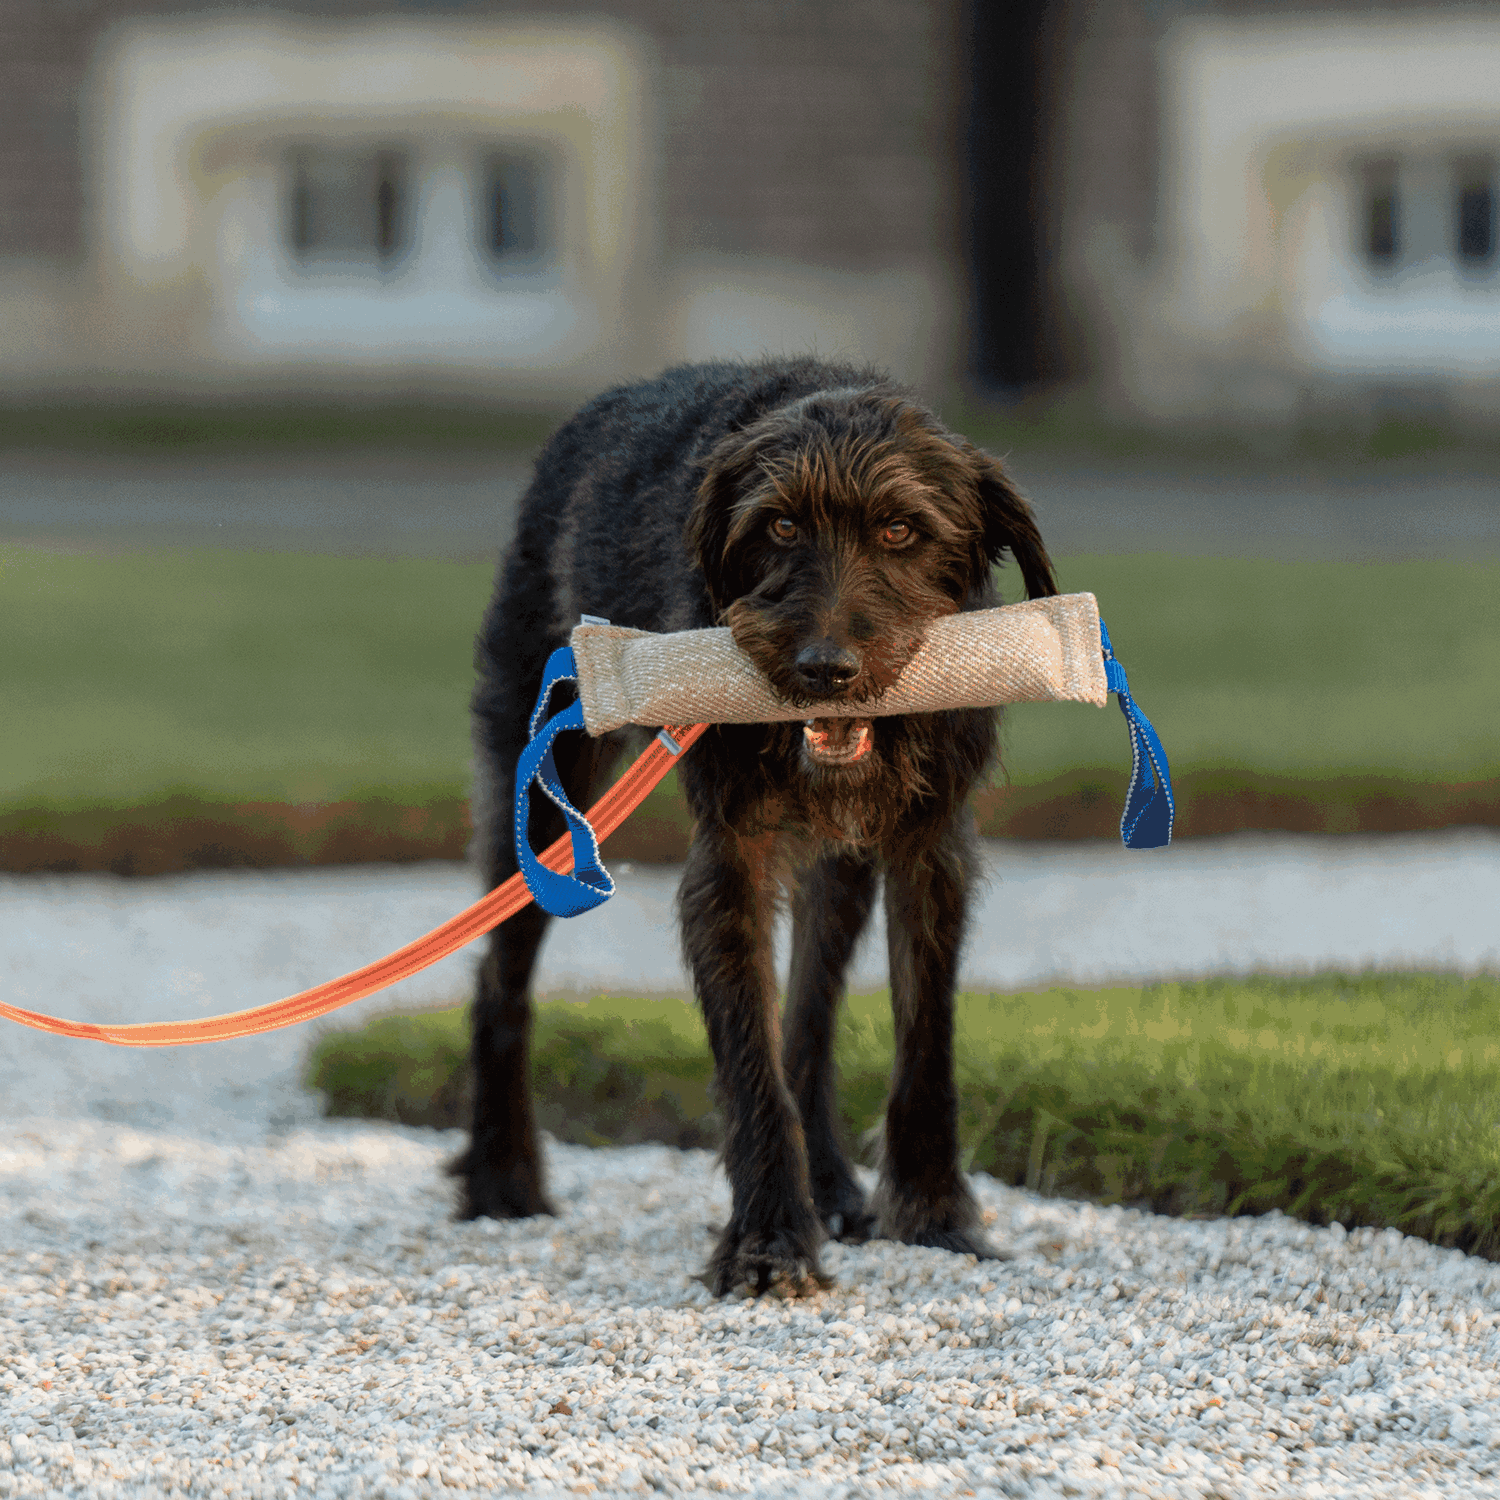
(1046, 650)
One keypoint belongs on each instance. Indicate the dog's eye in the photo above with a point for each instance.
(784, 529)
(896, 534)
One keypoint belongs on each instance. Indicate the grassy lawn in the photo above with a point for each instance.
(234, 675)
(1368, 1100)
(314, 679)
(1304, 668)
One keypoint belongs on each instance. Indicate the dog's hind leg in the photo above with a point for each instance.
(922, 1197)
(727, 904)
(501, 1170)
(830, 910)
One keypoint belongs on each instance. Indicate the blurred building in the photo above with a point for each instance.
(531, 204)
(1324, 231)
(1199, 209)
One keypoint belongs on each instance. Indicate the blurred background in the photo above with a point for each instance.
(1191, 209)
(289, 295)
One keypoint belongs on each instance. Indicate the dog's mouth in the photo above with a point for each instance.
(838, 742)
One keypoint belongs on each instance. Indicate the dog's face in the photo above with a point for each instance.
(833, 531)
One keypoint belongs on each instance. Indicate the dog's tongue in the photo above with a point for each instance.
(837, 742)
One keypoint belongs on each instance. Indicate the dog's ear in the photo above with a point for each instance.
(707, 531)
(728, 472)
(1010, 526)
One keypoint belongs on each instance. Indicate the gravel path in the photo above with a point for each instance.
(206, 1290)
(181, 1317)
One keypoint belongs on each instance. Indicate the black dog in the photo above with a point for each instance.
(827, 519)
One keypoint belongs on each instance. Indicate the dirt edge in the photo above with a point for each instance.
(185, 833)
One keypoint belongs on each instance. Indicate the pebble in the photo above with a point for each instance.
(182, 1316)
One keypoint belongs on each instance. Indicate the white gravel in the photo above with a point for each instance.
(206, 1290)
(239, 1317)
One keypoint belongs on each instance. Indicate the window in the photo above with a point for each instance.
(1476, 213)
(348, 208)
(1382, 242)
(515, 225)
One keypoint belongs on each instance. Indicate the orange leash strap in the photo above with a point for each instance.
(504, 901)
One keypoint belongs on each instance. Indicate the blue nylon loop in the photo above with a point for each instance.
(1147, 820)
(590, 884)
(1145, 824)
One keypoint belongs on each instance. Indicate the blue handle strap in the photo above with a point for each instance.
(1146, 823)
(1147, 820)
(590, 884)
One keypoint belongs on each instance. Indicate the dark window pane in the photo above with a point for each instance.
(1380, 240)
(515, 232)
(302, 233)
(347, 207)
(1476, 222)
(389, 204)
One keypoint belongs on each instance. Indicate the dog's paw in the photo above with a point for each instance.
(760, 1261)
(844, 1213)
(949, 1221)
(959, 1241)
(489, 1190)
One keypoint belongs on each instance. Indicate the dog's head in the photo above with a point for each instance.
(834, 530)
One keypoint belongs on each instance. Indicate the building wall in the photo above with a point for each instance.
(1204, 224)
(802, 190)
(807, 133)
(805, 168)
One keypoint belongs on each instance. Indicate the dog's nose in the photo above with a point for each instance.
(825, 669)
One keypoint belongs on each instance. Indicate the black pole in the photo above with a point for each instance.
(1004, 141)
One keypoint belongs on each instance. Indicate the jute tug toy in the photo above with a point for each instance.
(1053, 650)
(1046, 650)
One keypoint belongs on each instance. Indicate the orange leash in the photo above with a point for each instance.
(504, 901)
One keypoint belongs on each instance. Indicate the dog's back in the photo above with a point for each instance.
(601, 527)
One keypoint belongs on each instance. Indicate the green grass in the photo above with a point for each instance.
(251, 676)
(1305, 668)
(234, 675)
(613, 1072)
(1367, 1100)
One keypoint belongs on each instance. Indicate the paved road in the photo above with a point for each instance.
(394, 507)
(99, 948)
(466, 509)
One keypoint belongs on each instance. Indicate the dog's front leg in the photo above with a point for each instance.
(832, 906)
(922, 1198)
(728, 904)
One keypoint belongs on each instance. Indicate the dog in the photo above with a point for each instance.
(827, 518)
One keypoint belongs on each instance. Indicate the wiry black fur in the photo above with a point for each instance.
(650, 508)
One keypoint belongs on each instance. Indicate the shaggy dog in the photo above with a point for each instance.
(826, 518)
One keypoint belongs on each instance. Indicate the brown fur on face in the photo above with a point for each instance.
(841, 468)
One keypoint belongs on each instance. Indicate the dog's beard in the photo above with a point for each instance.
(859, 803)
(858, 800)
